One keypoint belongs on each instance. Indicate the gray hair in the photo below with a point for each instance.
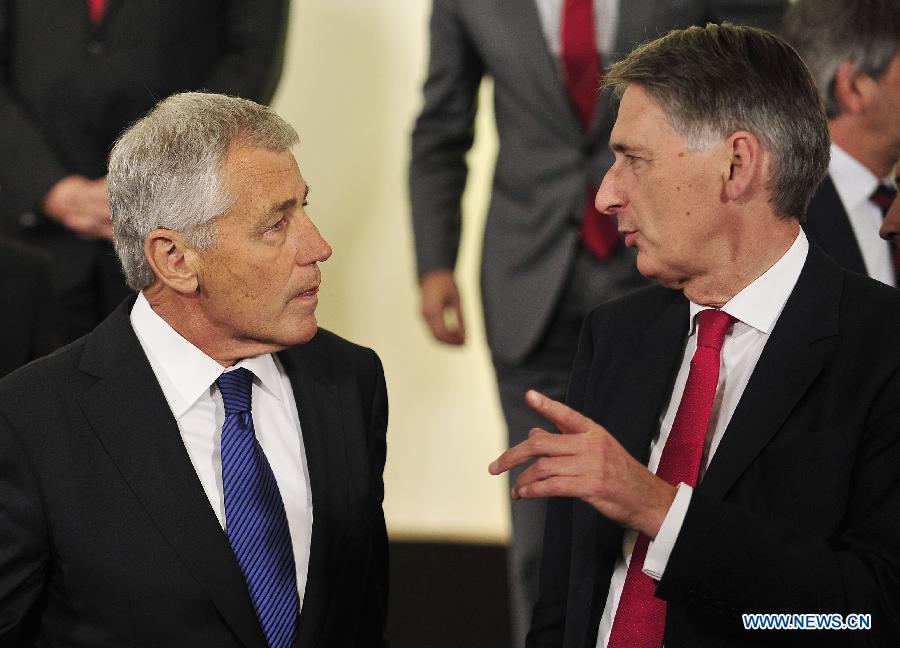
(165, 171)
(716, 80)
(827, 33)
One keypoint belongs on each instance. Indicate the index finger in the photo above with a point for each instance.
(567, 420)
(540, 443)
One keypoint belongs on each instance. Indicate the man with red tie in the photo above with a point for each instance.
(548, 255)
(73, 75)
(730, 444)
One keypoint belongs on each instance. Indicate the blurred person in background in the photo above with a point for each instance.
(73, 75)
(548, 255)
(852, 49)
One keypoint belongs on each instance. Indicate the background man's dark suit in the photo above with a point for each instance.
(798, 509)
(68, 88)
(27, 306)
(828, 224)
(136, 556)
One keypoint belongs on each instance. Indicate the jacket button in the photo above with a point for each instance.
(96, 48)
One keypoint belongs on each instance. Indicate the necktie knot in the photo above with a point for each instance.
(235, 387)
(883, 196)
(712, 327)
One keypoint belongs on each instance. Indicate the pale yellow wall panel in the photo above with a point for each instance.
(352, 87)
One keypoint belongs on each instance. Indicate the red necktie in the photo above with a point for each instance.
(883, 197)
(581, 70)
(640, 619)
(95, 10)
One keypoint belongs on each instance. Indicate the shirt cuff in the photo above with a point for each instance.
(659, 550)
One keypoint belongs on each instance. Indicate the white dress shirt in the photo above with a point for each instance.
(855, 184)
(187, 377)
(606, 21)
(756, 310)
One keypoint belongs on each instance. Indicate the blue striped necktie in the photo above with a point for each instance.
(255, 520)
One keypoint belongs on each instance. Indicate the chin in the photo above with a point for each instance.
(289, 333)
(302, 333)
(645, 267)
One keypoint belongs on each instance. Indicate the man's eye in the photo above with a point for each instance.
(277, 226)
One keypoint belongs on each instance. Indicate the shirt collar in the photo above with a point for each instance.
(760, 303)
(853, 182)
(188, 372)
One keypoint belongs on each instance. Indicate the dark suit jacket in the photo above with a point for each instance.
(799, 508)
(546, 162)
(28, 326)
(828, 224)
(107, 538)
(68, 88)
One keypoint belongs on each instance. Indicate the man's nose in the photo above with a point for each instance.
(313, 247)
(609, 199)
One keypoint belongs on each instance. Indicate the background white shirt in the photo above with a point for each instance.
(187, 377)
(606, 21)
(855, 184)
(756, 309)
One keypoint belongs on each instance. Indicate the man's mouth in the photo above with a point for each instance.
(308, 294)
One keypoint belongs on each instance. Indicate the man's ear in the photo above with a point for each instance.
(850, 88)
(746, 170)
(173, 261)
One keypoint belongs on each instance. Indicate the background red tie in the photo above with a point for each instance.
(582, 73)
(95, 10)
(641, 617)
(883, 197)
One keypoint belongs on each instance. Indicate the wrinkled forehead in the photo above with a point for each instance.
(262, 179)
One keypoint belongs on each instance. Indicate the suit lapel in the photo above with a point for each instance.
(630, 21)
(829, 225)
(318, 405)
(632, 415)
(525, 34)
(787, 366)
(130, 416)
(633, 20)
(646, 382)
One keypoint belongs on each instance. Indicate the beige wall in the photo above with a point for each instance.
(352, 87)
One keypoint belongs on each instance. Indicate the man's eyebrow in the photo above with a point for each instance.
(290, 203)
(625, 147)
(284, 206)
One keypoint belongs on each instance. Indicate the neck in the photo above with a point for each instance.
(184, 314)
(745, 257)
(873, 150)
